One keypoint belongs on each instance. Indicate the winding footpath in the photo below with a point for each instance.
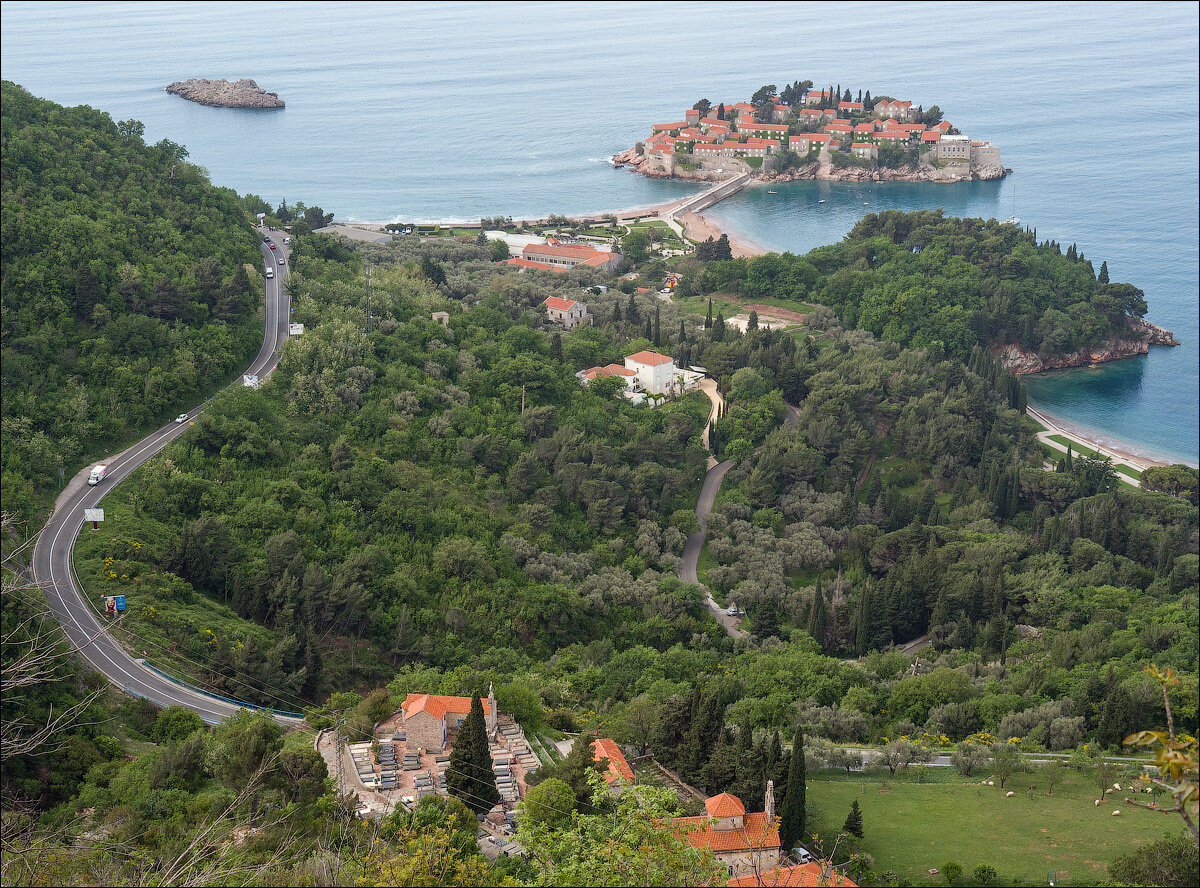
(53, 567)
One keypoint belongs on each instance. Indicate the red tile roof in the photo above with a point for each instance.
(893, 134)
(649, 357)
(437, 705)
(724, 805)
(558, 304)
(609, 370)
(811, 137)
(865, 128)
(529, 263)
(811, 111)
(755, 834)
(804, 875)
(943, 126)
(849, 106)
(616, 768)
(931, 136)
(566, 251)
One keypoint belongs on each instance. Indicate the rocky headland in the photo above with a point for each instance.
(726, 167)
(244, 93)
(1139, 335)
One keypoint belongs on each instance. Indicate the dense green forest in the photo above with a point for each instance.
(946, 285)
(129, 288)
(411, 506)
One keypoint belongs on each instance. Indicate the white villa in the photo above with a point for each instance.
(647, 374)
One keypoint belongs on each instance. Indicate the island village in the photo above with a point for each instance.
(802, 133)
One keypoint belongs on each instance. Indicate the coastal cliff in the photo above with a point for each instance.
(244, 93)
(1139, 336)
(716, 170)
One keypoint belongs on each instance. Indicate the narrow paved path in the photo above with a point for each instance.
(53, 554)
(695, 542)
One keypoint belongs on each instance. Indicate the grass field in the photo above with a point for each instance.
(1076, 447)
(911, 828)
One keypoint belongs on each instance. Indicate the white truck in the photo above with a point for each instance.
(97, 475)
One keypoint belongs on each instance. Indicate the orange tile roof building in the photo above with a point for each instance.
(803, 875)
(744, 843)
(567, 312)
(428, 716)
(616, 769)
(570, 255)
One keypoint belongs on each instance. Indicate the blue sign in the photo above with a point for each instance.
(120, 602)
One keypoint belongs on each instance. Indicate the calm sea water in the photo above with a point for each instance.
(420, 111)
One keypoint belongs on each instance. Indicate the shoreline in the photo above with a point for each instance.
(1137, 455)
(700, 226)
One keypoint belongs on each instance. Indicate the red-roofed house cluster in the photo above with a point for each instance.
(819, 122)
(647, 375)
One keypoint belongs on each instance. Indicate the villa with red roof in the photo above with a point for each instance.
(570, 255)
(899, 110)
(801, 875)
(567, 312)
(617, 773)
(743, 843)
(428, 716)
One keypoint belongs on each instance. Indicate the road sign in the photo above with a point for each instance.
(295, 329)
(93, 515)
(114, 603)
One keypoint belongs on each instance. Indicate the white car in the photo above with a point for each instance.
(181, 418)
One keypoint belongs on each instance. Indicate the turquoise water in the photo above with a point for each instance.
(420, 111)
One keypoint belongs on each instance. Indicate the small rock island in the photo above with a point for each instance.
(244, 93)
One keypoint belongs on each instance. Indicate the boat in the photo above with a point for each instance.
(822, 200)
(772, 192)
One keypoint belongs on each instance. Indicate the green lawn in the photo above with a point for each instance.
(910, 828)
(1076, 447)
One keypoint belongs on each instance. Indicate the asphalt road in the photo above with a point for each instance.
(695, 542)
(52, 554)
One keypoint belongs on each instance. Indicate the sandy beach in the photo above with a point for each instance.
(1120, 451)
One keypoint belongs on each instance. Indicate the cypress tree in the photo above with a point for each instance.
(818, 617)
(556, 347)
(470, 777)
(682, 333)
(617, 313)
(708, 320)
(718, 330)
(854, 824)
(649, 331)
(792, 815)
(657, 325)
(1103, 278)
(631, 310)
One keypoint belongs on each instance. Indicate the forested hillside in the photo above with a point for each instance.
(128, 289)
(945, 284)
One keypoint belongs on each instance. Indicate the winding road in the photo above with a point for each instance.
(53, 569)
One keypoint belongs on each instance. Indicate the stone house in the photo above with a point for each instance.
(896, 109)
(865, 150)
(953, 148)
(567, 312)
(743, 843)
(427, 717)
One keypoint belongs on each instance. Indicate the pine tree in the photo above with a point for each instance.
(752, 324)
(1103, 278)
(792, 815)
(854, 824)
(470, 777)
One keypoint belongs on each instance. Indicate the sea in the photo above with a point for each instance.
(422, 111)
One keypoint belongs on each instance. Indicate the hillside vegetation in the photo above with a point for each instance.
(947, 285)
(125, 295)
